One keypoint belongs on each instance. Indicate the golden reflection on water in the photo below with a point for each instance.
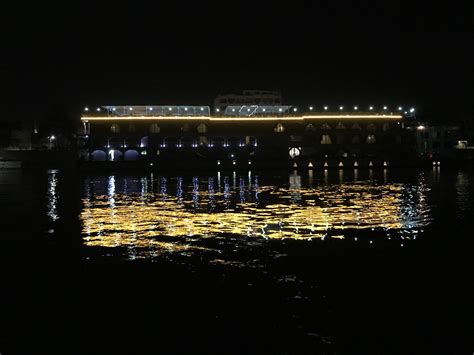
(169, 214)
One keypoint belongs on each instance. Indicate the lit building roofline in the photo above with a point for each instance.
(238, 119)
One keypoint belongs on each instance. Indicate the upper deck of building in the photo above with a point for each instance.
(244, 113)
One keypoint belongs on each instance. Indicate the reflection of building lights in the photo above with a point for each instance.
(420, 127)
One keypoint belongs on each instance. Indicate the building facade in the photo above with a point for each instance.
(253, 135)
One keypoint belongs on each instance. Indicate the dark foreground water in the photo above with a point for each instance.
(237, 262)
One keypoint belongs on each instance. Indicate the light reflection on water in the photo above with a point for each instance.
(184, 212)
(52, 195)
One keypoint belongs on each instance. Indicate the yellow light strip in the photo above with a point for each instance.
(207, 118)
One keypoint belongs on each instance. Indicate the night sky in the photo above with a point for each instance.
(314, 54)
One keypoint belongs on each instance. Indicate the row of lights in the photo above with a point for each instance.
(131, 109)
(311, 108)
(180, 145)
(234, 162)
(341, 164)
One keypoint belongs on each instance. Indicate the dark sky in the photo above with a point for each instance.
(330, 53)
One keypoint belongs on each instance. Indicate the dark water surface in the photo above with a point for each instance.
(238, 262)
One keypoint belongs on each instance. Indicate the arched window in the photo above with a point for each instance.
(340, 126)
(325, 139)
(154, 128)
(371, 127)
(325, 126)
(370, 139)
(115, 128)
(279, 128)
(294, 152)
(310, 128)
(202, 128)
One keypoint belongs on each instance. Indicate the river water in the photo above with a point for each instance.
(247, 261)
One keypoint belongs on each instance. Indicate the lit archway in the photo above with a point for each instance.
(98, 155)
(131, 155)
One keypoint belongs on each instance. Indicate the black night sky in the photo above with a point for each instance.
(314, 54)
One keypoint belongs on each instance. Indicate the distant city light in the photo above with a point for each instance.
(412, 110)
(280, 109)
(169, 108)
(86, 109)
(399, 108)
(263, 110)
(202, 108)
(248, 110)
(311, 108)
(295, 109)
(325, 107)
(420, 127)
(233, 110)
(355, 108)
(185, 109)
(98, 109)
(217, 110)
(130, 108)
(113, 108)
(150, 108)
(371, 108)
(341, 108)
(385, 107)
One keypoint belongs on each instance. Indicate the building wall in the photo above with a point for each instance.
(266, 140)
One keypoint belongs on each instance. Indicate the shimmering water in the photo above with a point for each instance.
(154, 214)
(291, 260)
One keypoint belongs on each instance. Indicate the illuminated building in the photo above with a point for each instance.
(254, 134)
